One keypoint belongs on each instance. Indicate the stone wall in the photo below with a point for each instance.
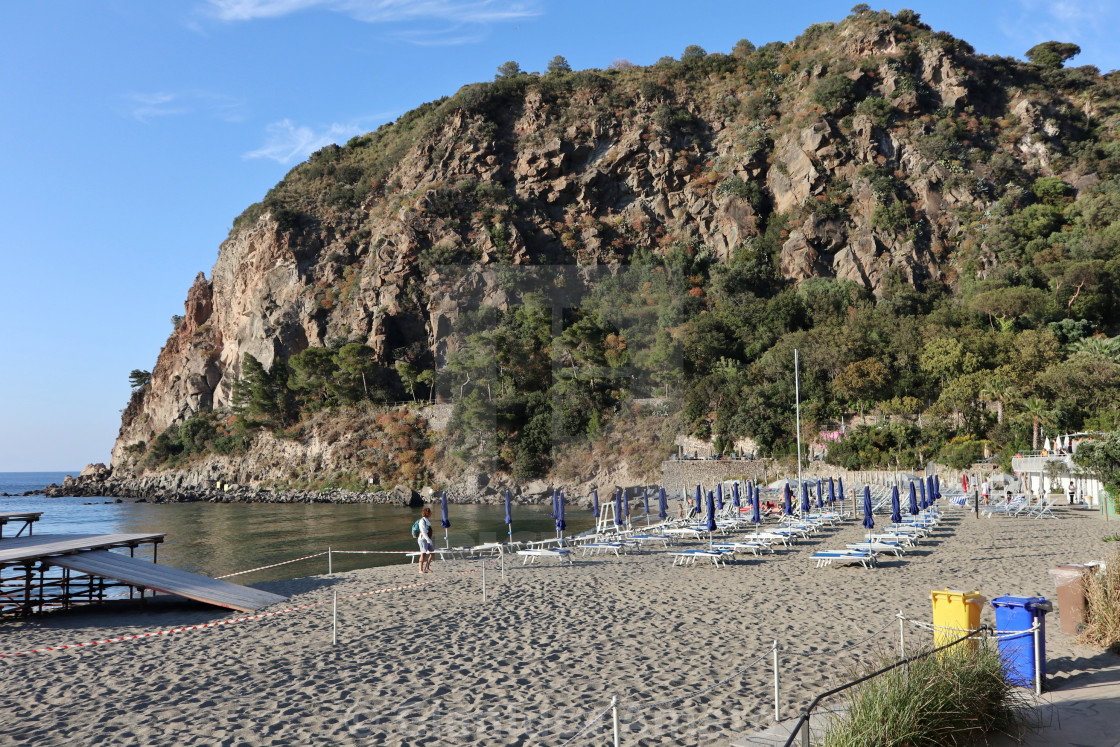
(678, 474)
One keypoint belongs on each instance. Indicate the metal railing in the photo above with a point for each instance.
(802, 725)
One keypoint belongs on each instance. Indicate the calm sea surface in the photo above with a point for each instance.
(217, 538)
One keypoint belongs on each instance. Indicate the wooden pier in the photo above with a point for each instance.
(88, 570)
(27, 518)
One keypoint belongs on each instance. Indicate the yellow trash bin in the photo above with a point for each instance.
(954, 614)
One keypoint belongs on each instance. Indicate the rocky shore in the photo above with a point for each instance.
(97, 481)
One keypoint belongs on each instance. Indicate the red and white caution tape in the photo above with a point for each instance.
(274, 565)
(217, 623)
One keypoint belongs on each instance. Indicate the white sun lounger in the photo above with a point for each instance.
(563, 554)
(689, 557)
(755, 548)
(874, 546)
(847, 557)
(595, 548)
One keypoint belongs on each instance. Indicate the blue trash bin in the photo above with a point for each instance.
(1015, 614)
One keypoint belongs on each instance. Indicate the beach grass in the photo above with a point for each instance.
(958, 697)
(1102, 607)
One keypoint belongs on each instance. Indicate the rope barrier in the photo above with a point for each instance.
(274, 565)
(590, 723)
(845, 648)
(217, 623)
(698, 693)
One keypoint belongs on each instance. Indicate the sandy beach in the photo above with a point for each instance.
(536, 662)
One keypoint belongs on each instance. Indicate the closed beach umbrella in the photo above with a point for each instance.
(868, 520)
(788, 501)
(930, 492)
(645, 501)
(820, 494)
(735, 496)
(446, 522)
(1046, 444)
(662, 505)
(831, 491)
(509, 515)
(626, 507)
(896, 513)
(840, 488)
(561, 525)
(719, 495)
(756, 515)
(595, 503)
(922, 487)
(711, 513)
(617, 507)
(804, 498)
(699, 505)
(555, 514)
(936, 487)
(913, 500)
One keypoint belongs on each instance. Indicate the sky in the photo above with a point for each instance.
(134, 132)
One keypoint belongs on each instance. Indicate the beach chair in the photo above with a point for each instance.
(1043, 510)
(843, 557)
(689, 557)
(1006, 509)
(595, 548)
(562, 554)
(878, 546)
(755, 548)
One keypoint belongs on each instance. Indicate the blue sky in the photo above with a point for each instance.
(135, 131)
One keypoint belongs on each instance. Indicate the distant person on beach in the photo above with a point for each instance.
(984, 488)
(427, 549)
(1071, 492)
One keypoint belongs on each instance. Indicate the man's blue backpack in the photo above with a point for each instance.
(416, 529)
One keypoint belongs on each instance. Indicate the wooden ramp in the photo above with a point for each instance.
(20, 549)
(146, 575)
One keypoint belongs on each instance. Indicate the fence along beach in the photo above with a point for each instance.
(685, 649)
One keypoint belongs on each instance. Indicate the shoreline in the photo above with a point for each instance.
(540, 658)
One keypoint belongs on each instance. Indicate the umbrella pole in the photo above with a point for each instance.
(446, 542)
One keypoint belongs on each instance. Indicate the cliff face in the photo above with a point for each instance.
(590, 168)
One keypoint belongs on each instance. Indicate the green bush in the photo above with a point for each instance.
(834, 91)
(958, 697)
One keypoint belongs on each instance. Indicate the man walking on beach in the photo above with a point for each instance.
(427, 548)
(984, 488)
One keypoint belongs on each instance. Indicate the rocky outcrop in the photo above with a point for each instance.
(584, 171)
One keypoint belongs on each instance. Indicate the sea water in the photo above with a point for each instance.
(219, 538)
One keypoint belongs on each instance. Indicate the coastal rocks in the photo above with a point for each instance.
(402, 495)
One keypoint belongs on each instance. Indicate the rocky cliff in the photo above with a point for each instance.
(867, 148)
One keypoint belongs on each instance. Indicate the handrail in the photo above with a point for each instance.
(803, 721)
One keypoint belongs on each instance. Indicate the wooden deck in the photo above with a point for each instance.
(26, 586)
(21, 549)
(146, 575)
(27, 518)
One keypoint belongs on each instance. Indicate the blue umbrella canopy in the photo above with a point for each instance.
(804, 498)
(868, 521)
(561, 525)
(936, 487)
(625, 506)
(840, 488)
(929, 490)
(788, 501)
(896, 513)
(662, 505)
(719, 495)
(645, 501)
(831, 490)
(756, 516)
(555, 514)
(617, 507)
(509, 514)
(699, 501)
(922, 487)
(445, 521)
(820, 494)
(595, 503)
(711, 512)
(913, 500)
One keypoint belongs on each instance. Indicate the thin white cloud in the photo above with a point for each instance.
(381, 11)
(287, 142)
(154, 105)
(449, 37)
